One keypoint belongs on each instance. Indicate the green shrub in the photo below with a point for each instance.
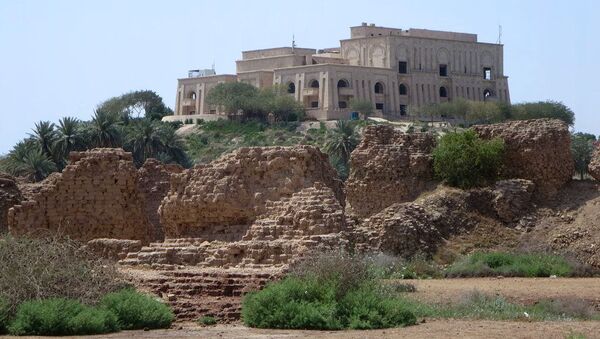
(328, 292)
(207, 321)
(464, 160)
(4, 316)
(135, 310)
(507, 264)
(59, 316)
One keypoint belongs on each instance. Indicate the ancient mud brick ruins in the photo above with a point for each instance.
(202, 237)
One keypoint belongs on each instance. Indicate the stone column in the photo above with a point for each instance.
(197, 103)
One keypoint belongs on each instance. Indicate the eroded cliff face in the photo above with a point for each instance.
(388, 167)
(10, 195)
(594, 166)
(227, 195)
(538, 150)
(94, 197)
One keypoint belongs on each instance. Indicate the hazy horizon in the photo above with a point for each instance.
(62, 58)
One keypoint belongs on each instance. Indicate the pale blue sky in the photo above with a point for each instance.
(62, 58)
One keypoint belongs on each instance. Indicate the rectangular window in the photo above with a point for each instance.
(487, 73)
(213, 111)
(402, 67)
(342, 104)
(379, 106)
(443, 70)
(402, 109)
(314, 104)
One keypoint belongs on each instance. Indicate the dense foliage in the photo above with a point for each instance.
(59, 316)
(364, 107)
(137, 311)
(485, 112)
(47, 148)
(331, 292)
(582, 148)
(464, 160)
(341, 141)
(509, 264)
(245, 101)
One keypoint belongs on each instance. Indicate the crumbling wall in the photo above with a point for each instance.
(538, 150)
(94, 197)
(594, 166)
(9, 196)
(421, 226)
(153, 184)
(388, 167)
(233, 190)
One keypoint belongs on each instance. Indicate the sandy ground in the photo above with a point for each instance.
(429, 329)
(522, 290)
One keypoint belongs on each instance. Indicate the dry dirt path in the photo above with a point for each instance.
(428, 330)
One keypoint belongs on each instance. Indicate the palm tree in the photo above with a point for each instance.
(106, 129)
(68, 139)
(27, 159)
(45, 135)
(173, 147)
(342, 140)
(144, 140)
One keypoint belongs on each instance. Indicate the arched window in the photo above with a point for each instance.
(403, 89)
(342, 83)
(486, 94)
(193, 95)
(291, 88)
(378, 88)
(314, 83)
(443, 92)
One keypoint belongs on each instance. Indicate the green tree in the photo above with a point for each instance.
(144, 140)
(582, 147)
(44, 134)
(464, 160)
(105, 129)
(69, 138)
(364, 107)
(543, 109)
(234, 97)
(341, 141)
(284, 107)
(35, 165)
(135, 105)
(173, 147)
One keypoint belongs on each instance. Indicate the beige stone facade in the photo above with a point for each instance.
(397, 70)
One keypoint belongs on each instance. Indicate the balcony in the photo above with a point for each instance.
(310, 91)
(189, 102)
(345, 91)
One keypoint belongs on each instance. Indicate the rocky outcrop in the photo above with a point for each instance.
(94, 197)
(153, 184)
(594, 166)
(388, 167)
(420, 227)
(537, 150)
(232, 191)
(10, 195)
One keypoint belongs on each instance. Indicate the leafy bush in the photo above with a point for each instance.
(60, 316)
(207, 321)
(506, 264)
(37, 269)
(464, 160)
(332, 291)
(4, 316)
(135, 310)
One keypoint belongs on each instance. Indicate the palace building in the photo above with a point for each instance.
(397, 70)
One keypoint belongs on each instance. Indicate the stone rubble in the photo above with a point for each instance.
(10, 195)
(594, 166)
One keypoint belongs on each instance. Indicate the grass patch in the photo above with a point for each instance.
(135, 310)
(4, 316)
(510, 265)
(60, 316)
(207, 321)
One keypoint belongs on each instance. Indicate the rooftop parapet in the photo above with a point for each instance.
(365, 31)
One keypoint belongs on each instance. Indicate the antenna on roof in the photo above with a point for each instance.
(293, 43)
(499, 34)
